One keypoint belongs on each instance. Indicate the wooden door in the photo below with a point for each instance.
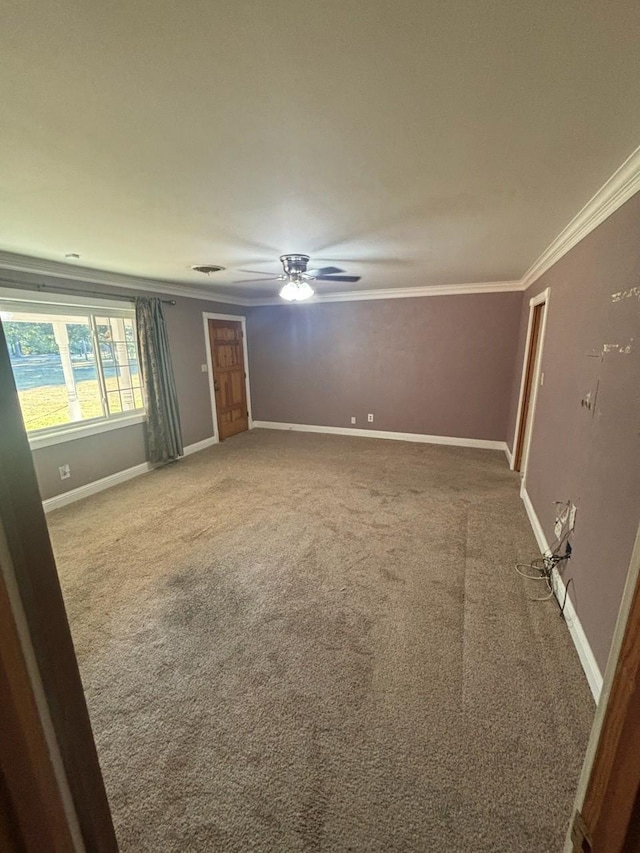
(526, 414)
(229, 377)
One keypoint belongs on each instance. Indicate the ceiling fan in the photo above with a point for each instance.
(297, 278)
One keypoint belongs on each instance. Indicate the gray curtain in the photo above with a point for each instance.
(164, 433)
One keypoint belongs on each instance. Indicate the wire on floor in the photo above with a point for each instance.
(544, 566)
(566, 593)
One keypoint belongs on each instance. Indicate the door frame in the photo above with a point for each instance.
(37, 811)
(607, 792)
(542, 298)
(31, 579)
(206, 316)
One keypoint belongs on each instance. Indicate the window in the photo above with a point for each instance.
(71, 364)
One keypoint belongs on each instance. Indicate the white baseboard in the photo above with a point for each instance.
(580, 641)
(200, 445)
(97, 486)
(114, 479)
(394, 436)
(538, 532)
(508, 454)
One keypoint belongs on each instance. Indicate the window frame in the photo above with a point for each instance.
(44, 303)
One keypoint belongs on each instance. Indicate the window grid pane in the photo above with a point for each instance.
(120, 363)
(71, 368)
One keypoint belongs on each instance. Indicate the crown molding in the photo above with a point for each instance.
(624, 183)
(402, 293)
(56, 269)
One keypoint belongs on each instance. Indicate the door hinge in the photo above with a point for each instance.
(580, 835)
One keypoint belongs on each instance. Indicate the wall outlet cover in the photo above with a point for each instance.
(572, 516)
(64, 471)
(370, 418)
(353, 420)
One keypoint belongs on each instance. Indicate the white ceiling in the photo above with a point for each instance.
(412, 142)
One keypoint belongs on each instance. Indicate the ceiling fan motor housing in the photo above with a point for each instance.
(294, 265)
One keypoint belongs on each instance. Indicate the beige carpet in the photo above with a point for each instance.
(296, 642)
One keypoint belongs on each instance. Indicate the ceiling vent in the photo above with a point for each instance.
(207, 269)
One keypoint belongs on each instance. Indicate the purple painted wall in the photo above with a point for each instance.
(591, 457)
(441, 365)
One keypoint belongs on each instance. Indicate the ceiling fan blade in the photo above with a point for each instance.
(370, 261)
(257, 280)
(324, 271)
(350, 278)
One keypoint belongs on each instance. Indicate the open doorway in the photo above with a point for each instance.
(532, 378)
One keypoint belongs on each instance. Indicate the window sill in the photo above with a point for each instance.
(70, 433)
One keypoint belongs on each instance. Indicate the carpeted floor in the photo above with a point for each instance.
(298, 642)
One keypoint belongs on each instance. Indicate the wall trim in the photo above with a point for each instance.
(580, 641)
(509, 455)
(534, 521)
(200, 445)
(618, 189)
(378, 433)
(402, 293)
(57, 269)
(79, 430)
(542, 298)
(628, 595)
(96, 486)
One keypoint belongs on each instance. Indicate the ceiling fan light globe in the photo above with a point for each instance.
(296, 291)
(305, 291)
(288, 292)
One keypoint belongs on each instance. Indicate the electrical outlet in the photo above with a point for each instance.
(64, 471)
(370, 418)
(203, 368)
(353, 420)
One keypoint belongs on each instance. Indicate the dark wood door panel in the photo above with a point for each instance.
(229, 379)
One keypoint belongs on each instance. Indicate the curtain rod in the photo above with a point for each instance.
(5, 282)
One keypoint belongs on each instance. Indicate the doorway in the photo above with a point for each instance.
(532, 378)
(228, 373)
